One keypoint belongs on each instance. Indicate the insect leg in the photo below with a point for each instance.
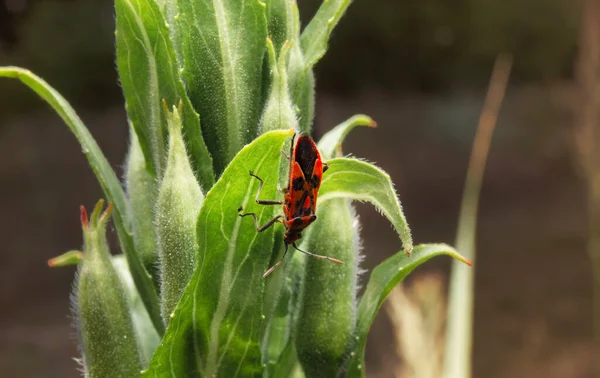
(271, 269)
(266, 225)
(264, 202)
(285, 155)
(318, 256)
(325, 167)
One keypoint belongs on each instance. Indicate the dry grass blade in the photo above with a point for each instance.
(417, 314)
(587, 135)
(457, 358)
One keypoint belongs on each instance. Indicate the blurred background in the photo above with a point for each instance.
(420, 69)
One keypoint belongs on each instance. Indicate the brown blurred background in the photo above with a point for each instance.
(420, 69)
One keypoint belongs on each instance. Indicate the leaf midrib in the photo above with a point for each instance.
(227, 284)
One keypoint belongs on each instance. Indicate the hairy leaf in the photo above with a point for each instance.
(216, 327)
(279, 111)
(223, 45)
(331, 143)
(149, 73)
(312, 47)
(146, 335)
(141, 190)
(300, 76)
(105, 176)
(72, 257)
(278, 350)
(382, 280)
(316, 34)
(359, 180)
(281, 20)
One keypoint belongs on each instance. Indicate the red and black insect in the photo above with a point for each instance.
(300, 196)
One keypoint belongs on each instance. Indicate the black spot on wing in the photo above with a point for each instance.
(315, 181)
(298, 183)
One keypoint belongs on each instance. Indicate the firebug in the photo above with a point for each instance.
(300, 196)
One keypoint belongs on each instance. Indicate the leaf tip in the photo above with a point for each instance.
(84, 216)
(466, 261)
(107, 212)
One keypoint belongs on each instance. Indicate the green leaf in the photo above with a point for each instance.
(170, 10)
(301, 78)
(72, 257)
(281, 21)
(316, 34)
(382, 280)
(312, 47)
(278, 350)
(216, 327)
(142, 188)
(149, 73)
(279, 112)
(146, 335)
(223, 44)
(330, 144)
(105, 176)
(359, 180)
(326, 319)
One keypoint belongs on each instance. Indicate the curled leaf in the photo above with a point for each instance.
(105, 176)
(331, 142)
(381, 281)
(359, 180)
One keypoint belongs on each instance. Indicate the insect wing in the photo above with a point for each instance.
(297, 192)
(315, 181)
(306, 155)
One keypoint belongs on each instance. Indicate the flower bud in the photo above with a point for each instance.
(327, 313)
(105, 328)
(177, 208)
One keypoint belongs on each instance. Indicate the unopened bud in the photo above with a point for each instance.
(177, 208)
(104, 319)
